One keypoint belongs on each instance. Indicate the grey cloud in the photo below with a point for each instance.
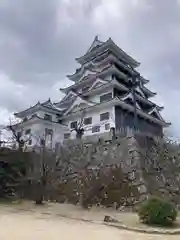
(156, 36)
(30, 43)
(150, 32)
(40, 39)
(38, 47)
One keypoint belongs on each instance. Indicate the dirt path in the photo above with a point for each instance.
(25, 225)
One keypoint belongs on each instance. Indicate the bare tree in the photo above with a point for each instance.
(54, 170)
(79, 128)
(17, 137)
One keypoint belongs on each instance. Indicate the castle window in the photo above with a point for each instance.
(104, 116)
(96, 129)
(88, 121)
(106, 97)
(48, 131)
(73, 124)
(67, 135)
(107, 126)
(42, 142)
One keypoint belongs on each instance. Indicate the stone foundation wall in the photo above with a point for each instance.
(122, 152)
(160, 165)
(152, 165)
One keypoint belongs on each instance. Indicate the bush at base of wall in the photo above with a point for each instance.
(156, 211)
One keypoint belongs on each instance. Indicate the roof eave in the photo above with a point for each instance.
(159, 108)
(77, 75)
(152, 94)
(83, 59)
(63, 90)
(116, 101)
(113, 69)
(104, 86)
(148, 102)
(108, 43)
(38, 119)
(163, 123)
(167, 124)
(35, 108)
(25, 112)
(73, 77)
(127, 56)
(95, 42)
(148, 92)
(144, 81)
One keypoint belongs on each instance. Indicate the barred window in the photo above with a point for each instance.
(104, 116)
(106, 97)
(95, 129)
(107, 126)
(48, 131)
(87, 120)
(73, 124)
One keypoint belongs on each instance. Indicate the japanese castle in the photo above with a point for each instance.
(107, 94)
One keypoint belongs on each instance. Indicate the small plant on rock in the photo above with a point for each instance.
(156, 211)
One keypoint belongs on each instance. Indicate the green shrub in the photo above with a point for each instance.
(156, 211)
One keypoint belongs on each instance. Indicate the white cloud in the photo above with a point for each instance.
(108, 10)
(4, 116)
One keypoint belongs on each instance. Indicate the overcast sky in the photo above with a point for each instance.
(39, 40)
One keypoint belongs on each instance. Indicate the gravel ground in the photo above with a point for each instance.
(36, 223)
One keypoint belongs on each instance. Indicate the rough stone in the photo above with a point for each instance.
(151, 164)
(142, 189)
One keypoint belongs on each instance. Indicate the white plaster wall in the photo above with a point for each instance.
(58, 132)
(35, 134)
(96, 121)
(38, 132)
(95, 114)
